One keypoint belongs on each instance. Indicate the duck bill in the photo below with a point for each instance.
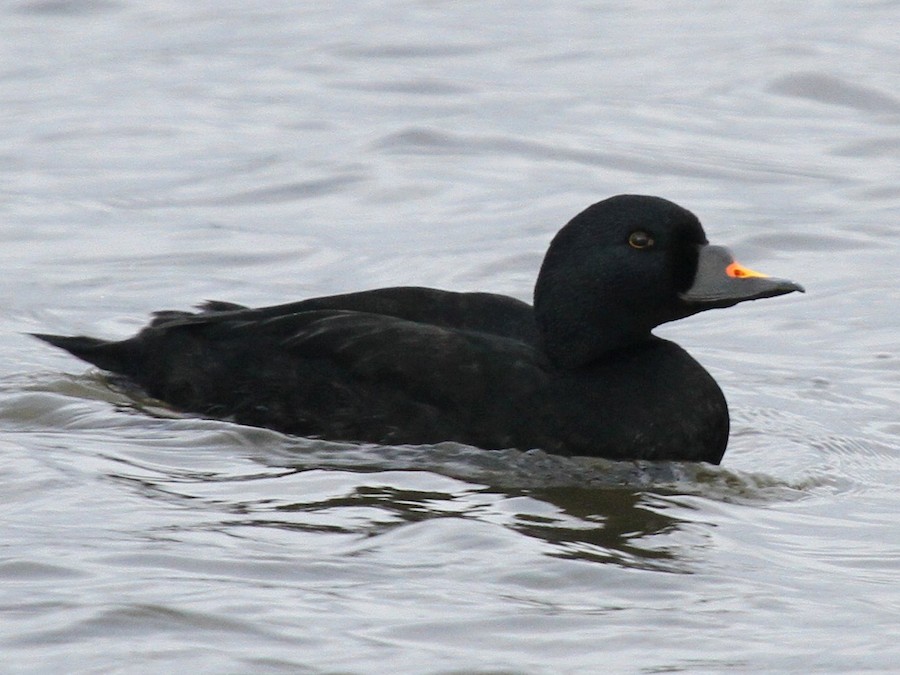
(722, 282)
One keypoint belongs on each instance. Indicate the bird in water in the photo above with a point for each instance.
(579, 372)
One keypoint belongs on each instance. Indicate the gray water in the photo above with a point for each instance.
(156, 154)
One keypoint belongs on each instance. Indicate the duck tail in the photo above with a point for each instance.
(112, 356)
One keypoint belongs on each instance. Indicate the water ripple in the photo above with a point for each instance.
(430, 141)
(824, 88)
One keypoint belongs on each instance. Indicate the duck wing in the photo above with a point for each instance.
(330, 373)
(381, 378)
(483, 312)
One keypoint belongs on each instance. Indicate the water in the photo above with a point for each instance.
(155, 154)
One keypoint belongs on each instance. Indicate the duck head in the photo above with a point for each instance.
(626, 265)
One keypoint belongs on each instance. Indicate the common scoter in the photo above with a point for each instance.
(579, 373)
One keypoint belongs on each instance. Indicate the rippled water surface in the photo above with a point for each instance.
(155, 154)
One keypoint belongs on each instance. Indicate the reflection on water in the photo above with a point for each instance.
(608, 526)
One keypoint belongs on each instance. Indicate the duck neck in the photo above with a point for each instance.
(574, 334)
(572, 345)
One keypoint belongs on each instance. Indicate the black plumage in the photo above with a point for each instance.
(579, 373)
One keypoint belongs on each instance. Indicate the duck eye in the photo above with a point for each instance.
(640, 239)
